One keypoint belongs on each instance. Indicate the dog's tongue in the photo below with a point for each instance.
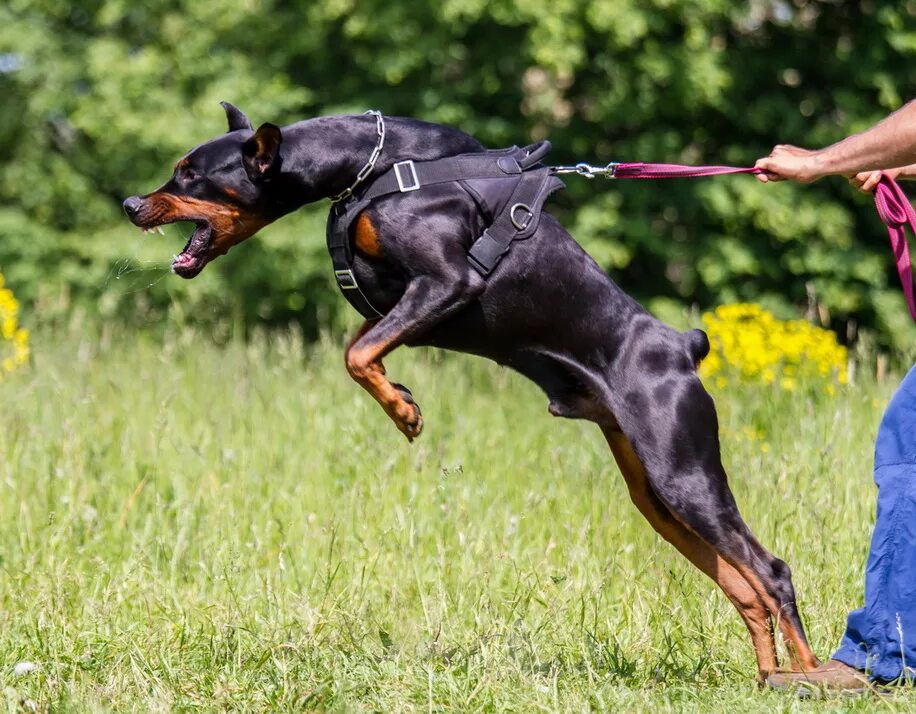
(192, 259)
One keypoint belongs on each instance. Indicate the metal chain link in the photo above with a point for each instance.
(589, 171)
(370, 164)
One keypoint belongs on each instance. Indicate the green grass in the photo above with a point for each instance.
(189, 527)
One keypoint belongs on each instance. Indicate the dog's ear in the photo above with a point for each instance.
(236, 117)
(261, 153)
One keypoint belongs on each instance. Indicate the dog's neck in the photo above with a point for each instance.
(322, 157)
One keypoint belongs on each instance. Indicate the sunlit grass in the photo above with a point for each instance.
(193, 526)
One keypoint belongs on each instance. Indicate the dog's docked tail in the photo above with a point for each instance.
(697, 345)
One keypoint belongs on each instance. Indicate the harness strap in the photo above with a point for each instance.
(338, 233)
(516, 222)
(409, 175)
(517, 218)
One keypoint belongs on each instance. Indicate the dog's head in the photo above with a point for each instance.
(224, 186)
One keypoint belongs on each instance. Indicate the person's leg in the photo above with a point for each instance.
(881, 637)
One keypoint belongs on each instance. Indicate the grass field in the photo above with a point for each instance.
(195, 527)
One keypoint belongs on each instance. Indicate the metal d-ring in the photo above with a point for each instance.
(524, 207)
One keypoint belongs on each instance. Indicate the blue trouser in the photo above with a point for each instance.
(881, 637)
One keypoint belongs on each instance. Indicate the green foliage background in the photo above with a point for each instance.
(99, 97)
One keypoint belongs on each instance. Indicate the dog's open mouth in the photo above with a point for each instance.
(196, 253)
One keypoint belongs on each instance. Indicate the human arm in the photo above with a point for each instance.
(891, 142)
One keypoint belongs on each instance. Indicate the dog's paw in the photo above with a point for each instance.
(407, 415)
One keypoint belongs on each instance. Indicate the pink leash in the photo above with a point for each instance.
(896, 211)
(663, 171)
(894, 208)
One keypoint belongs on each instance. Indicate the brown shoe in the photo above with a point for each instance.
(832, 676)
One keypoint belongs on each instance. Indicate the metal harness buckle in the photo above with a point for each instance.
(346, 280)
(412, 176)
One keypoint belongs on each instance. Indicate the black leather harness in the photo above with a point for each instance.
(509, 187)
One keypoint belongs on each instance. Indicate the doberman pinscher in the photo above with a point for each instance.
(547, 311)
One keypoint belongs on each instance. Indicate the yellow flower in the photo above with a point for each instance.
(14, 340)
(749, 345)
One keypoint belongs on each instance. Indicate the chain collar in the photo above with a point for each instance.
(370, 164)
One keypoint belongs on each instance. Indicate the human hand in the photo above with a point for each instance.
(867, 181)
(790, 162)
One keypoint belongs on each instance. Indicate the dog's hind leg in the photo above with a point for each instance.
(679, 449)
(745, 599)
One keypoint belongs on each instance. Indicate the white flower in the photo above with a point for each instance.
(23, 668)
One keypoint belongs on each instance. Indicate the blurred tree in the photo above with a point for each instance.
(101, 96)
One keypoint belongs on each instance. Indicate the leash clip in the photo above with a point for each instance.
(586, 170)
(610, 171)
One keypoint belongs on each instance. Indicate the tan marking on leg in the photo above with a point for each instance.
(803, 658)
(744, 597)
(365, 367)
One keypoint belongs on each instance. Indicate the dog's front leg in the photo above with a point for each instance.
(395, 399)
(425, 303)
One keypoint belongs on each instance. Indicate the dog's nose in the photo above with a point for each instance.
(132, 205)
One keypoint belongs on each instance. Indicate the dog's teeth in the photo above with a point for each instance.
(147, 231)
(160, 231)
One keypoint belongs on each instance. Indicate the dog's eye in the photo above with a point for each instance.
(189, 174)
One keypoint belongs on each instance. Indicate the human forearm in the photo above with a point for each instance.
(891, 142)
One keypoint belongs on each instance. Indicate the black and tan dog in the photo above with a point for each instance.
(547, 311)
